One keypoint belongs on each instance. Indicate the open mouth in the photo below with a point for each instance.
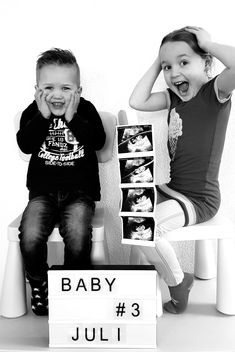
(182, 87)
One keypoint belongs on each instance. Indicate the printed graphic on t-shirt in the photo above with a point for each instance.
(174, 131)
(60, 148)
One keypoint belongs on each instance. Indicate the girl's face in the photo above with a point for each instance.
(184, 70)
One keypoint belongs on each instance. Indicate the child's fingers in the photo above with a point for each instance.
(72, 101)
(201, 34)
(38, 93)
(78, 94)
(48, 97)
(76, 97)
(76, 100)
(193, 28)
(196, 30)
(73, 98)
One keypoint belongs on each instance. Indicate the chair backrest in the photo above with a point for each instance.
(105, 154)
(109, 122)
(122, 117)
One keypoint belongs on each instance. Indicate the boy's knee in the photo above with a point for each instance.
(78, 224)
(31, 237)
(77, 233)
(29, 243)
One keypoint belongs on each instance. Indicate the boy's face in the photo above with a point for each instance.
(59, 81)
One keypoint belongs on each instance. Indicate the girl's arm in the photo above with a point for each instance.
(225, 54)
(142, 97)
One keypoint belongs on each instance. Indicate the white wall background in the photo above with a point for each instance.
(114, 41)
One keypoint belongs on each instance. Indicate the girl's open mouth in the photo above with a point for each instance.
(182, 87)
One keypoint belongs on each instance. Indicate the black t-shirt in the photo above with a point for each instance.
(196, 137)
(63, 154)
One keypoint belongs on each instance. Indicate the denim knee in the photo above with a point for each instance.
(37, 223)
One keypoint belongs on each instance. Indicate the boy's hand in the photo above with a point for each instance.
(73, 105)
(203, 37)
(42, 98)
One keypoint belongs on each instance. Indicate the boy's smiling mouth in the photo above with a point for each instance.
(56, 104)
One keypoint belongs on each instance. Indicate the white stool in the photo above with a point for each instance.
(14, 288)
(221, 229)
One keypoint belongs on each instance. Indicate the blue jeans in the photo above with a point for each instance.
(73, 211)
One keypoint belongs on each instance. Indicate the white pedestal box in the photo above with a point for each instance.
(108, 307)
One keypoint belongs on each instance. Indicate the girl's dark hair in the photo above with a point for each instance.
(56, 56)
(182, 35)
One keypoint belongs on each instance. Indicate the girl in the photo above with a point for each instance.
(199, 109)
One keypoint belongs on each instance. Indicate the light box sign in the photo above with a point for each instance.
(102, 308)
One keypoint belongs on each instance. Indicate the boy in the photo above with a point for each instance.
(62, 131)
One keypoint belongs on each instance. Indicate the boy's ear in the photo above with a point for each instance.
(36, 86)
(79, 90)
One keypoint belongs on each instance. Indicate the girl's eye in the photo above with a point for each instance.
(183, 63)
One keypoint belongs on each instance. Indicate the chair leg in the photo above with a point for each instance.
(205, 259)
(13, 303)
(135, 256)
(159, 310)
(106, 250)
(99, 251)
(225, 302)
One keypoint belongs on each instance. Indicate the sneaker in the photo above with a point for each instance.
(39, 297)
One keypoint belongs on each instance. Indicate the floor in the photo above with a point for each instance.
(200, 329)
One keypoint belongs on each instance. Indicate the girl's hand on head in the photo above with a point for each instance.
(72, 105)
(41, 98)
(203, 37)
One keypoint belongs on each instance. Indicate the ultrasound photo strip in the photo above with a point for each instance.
(137, 200)
(137, 170)
(135, 139)
(138, 230)
(137, 183)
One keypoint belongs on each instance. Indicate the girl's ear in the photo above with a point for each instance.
(208, 65)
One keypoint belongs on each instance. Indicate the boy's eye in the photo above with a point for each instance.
(49, 88)
(66, 88)
(166, 68)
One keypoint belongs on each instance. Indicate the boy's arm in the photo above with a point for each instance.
(225, 54)
(33, 129)
(87, 126)
(142, 97)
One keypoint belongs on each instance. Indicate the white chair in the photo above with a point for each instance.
(13, 302)
(219, 228)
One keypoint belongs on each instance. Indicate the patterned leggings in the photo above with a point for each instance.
(172, 211)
